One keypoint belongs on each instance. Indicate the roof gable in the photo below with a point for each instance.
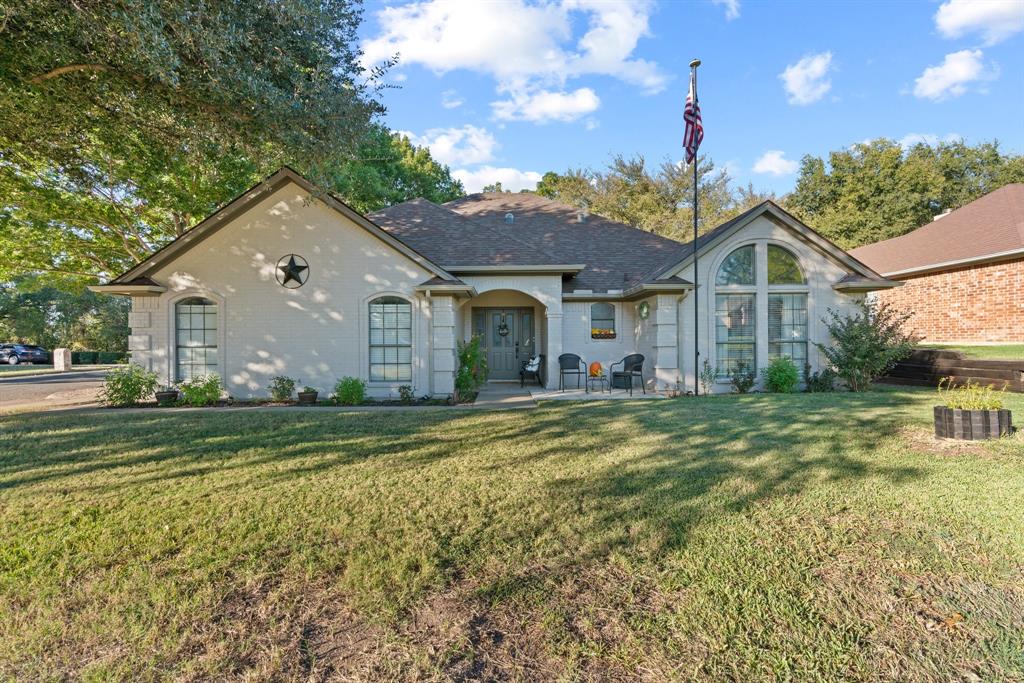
(238, 206)
(987, 228)
(784, 219)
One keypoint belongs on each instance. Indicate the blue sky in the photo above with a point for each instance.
(508, 89)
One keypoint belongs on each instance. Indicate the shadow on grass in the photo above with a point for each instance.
(675, 451)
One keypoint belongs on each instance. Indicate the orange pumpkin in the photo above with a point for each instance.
(596, 370)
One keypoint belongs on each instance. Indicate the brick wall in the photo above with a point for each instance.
(982, 303)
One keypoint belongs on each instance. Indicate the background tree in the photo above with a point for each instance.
(183, 76)
(55, 313)
(877, 190)
(658, 199)
(389, 169)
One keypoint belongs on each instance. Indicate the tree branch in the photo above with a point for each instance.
(70, 68)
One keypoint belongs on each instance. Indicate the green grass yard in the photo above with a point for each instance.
(988, 351)
(804, 537)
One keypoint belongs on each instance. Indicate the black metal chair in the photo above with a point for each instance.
(632, 367)
(570, 364)
(536, 373)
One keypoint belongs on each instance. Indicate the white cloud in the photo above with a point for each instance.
(510, 178)
(774, 162)
(529, 49)
(546, 105)
(457, 146)
(732, 8)
(450, 99)
(807, 81)
(995, 20)
(911, 139)
(951, 78)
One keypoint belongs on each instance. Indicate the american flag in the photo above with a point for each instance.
(691, 114)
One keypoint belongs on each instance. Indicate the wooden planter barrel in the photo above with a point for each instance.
(307, 398)
(971, 425)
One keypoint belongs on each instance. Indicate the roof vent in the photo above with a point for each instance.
(510, 218)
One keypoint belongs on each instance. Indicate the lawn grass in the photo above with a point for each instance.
(986, 352)
(748, 538)
(23, 370)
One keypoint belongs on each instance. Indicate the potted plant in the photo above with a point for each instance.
(166, 396)
(307, 397)
(971, 411)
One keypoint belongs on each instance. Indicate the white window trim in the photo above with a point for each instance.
(761, 289)
(171, 372)
(617, 318)
(364, 346)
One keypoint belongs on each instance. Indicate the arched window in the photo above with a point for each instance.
(737, 268)
(787, 310)
(735, 313)
(602, 321)
(390, 340)
(783, 268)
(196, 338)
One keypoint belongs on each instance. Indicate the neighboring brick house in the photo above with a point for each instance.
(962, 274)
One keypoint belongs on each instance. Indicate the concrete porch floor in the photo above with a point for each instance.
(542, 394)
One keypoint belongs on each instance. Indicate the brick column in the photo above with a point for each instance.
(442, 337)
(666, 342)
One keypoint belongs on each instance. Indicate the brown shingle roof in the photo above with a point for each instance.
(993, 224)
(617, 256)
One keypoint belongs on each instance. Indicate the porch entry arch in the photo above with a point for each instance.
(511, 326)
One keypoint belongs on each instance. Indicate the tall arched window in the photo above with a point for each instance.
(787, 310)
(735, 312)
(196, 338)
(390, 340)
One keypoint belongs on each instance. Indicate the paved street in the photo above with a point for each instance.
(40, 392)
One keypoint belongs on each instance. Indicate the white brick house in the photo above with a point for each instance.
(285, 280)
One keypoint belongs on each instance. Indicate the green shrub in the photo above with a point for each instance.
(821, 381)
(472, 372)
(970, 395)
(350, 391)
(781, 376)
(405, 394)
(866, 344)
(127, 386)
(281, 388)
(707, 376)
(742, 378)
(204, 390)
(84, 357)
(111, 357)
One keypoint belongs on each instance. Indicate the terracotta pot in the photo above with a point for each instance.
(972, 425)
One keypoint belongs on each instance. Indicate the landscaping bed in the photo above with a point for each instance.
(755, 538)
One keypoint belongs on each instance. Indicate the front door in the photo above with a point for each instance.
(507, 337)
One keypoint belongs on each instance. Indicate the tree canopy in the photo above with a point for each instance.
(876, 190)
(658, 199)
(181, 75)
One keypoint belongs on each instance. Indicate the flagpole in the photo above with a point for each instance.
(696, 315)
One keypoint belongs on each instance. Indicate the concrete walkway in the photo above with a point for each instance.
(502, 396)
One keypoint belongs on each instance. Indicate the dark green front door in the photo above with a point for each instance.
(507, 337)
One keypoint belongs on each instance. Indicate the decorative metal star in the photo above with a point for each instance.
(292, 272)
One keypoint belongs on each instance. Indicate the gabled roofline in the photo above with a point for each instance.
(971, 260)
(783, 217)
(221, 217)
(640, 291)
(572, 268)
